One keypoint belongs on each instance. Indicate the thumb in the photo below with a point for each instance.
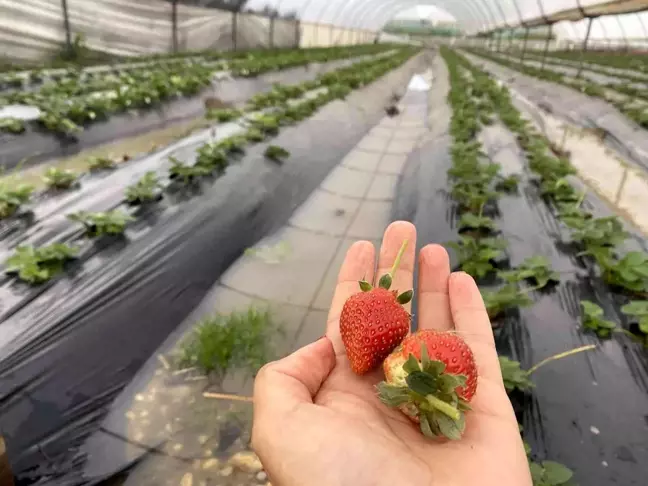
(281, 385)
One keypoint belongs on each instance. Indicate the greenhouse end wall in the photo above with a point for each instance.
(34, 30)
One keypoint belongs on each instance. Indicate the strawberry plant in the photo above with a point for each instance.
(12, 125)
(630, 272)
(56, 178)
(550, 473)
(537, 269)
(508, 184)
(559, 190)
(100, 224)
(594, 321)
(507, 297)
(38, 265)
(223, 115)
(599, 232)
(101, 163)
(476, 255)
(639, 310)
(276, 153)
(12, 196)
(515, 378)
(187, 174)
(470, 221)
(211, 156)
(147, 189)
(267, 124)
(254, 135)
(233, 145)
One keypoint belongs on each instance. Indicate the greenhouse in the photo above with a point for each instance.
(184, 185)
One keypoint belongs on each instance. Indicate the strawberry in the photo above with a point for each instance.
(431, 377)
(373, 322)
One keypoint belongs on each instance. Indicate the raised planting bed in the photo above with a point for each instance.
(96, 321)
(537, 272)
(618, 120)
(79, 113)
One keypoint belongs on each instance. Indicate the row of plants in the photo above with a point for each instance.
(632, 62)
(598, 242)
(20, 77)
(71, 104)
(475, 185)
(594, 68)
(38, 265)
(636, 113)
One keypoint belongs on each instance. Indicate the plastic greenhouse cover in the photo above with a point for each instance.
(579, 109)
(589, 411)
(68, 347)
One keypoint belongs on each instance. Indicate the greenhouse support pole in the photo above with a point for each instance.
(234, 30)
(66, 26)
(524, 44)
(584, 48)
(174, 26)
(546, 46)
(271, 31)
(499, 42)
(297, 33)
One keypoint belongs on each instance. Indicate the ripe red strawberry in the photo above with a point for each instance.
(373, 322)
(431, 377)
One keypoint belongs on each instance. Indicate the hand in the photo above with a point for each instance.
(317, 423)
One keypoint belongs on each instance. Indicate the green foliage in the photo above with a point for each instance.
(508, 184)
(12, 125)
(638, 309)
(101, 163)
(276, 153)
(187, 174)
(506, 297)
(254, 135)
(537, 269)
(476, 255)
(515, 378)
(211, 156)
(240, 340)
(38, 265)
(223, 115)
(470, 221)
(267, 124)
(59, 178)
(630, 272)
(599, 232)
(550, 473)
(12, 196)
(100, 224)
(593, 320)
(233, 145)
(147, 189)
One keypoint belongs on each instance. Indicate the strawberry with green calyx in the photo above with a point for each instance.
(431, 377)
(373, 322)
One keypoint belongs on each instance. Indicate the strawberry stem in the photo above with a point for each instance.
(442, 407)
(398, 259)
(560, 356)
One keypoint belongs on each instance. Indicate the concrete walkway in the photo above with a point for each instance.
(197, 440)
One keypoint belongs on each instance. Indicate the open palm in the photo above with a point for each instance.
(317, 423)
